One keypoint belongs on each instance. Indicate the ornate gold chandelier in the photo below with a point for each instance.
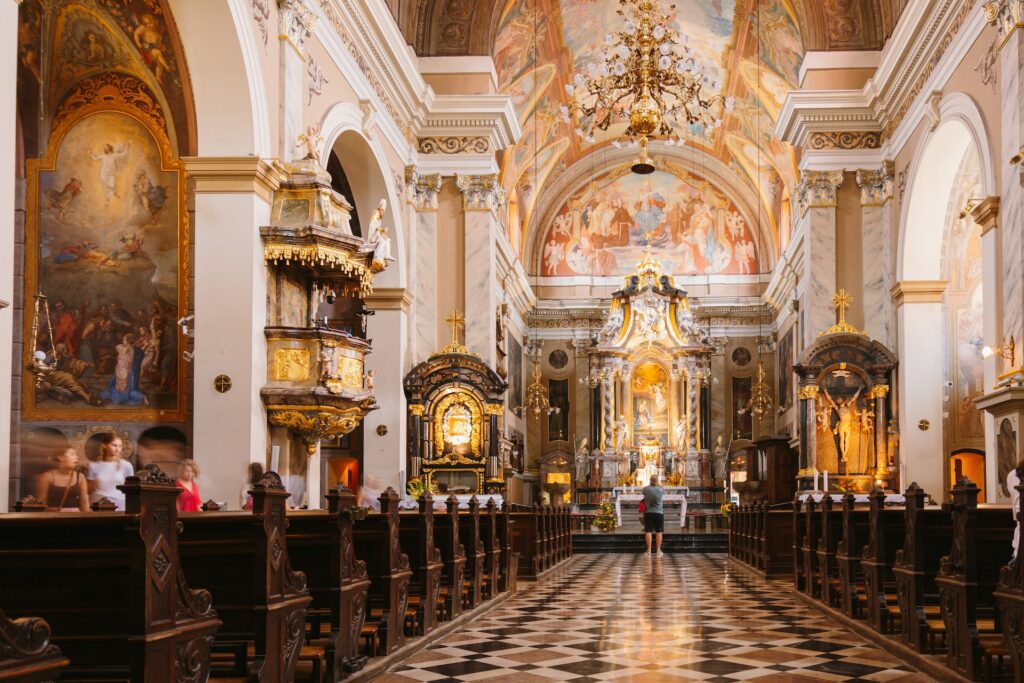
(648, 77)
(760, 403)
(537, 401)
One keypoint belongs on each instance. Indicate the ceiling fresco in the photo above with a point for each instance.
(749, 49)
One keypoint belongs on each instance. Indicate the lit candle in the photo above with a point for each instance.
(903, 476)
(816, 479)
(826, 481)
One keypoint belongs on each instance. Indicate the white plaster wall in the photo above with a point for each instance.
(230, 292)
(8, 80)
(922, 358)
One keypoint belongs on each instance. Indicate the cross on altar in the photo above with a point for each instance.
(458, 323)
(842, 300)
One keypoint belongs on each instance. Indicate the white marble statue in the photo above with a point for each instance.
(621, 433)
(377, 239)
(582, 462)
(721, 460)
(611, 327)
(679, 431)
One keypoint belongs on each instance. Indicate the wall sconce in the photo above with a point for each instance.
(1007, 350)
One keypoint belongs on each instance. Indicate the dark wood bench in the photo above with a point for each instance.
(417, 540)
(885, 537)
(320, 544)
(799, 529)
(453, 558)
(243, 558)
(492, 549)
(849, 553)
(26, 653)
(469, 535)
(1009, 595)
(508, 580)
(809, 547)
(830, 531)
(968, 576)
(376, 539)
(928, 533)
(110, 586)
(776, 541)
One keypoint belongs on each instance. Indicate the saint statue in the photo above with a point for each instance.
(680, 433)
(621, 433)
(582, 462)
(721, 460)
(612, 326)
(847, 414)
(377, 240)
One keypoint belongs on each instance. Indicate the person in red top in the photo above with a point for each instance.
(188, 499)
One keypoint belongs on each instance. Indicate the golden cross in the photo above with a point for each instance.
(842, 300)
(457, 321)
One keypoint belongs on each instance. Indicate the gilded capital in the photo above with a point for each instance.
(480, 192)
(875, 184)
(879, 391)
(1006, 15)
(809, 392)
(423, 189)
(817, 189)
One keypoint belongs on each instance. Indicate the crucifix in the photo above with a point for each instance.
(842, 300)
(458, 322)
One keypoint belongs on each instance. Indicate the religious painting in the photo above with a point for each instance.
(741, 356)
(106, 242)
(743, 423)
(606, 228)
(558, 421)
(558, 359)
(515, 373)
(650, 391)
(785, 382)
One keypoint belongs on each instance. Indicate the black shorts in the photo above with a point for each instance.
(654, 522)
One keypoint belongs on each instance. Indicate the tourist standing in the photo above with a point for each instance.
(654, 514)
(110, 471)
(188, 499)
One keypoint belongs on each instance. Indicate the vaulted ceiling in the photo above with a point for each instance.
(469, 27)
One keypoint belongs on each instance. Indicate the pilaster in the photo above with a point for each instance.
(816, 215)
(482, 197)
(876, 226)
(423, 191)
(8, 75)
(295, 25)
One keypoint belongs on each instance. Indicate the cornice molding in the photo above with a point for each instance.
(918, 292)
(234, 175)
(986, 214)
(389, 299)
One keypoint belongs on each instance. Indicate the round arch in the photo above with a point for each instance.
(922, 272)
(341, 129)
(225, 64)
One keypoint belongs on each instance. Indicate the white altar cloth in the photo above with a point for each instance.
(673, 494)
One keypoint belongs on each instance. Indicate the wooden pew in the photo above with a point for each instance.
(527, 539)
(243, 558)
(453, 557)
(1009, 595)
(26, 653)
(111, 587)
(967, 578)
(885, 537)
(509, 557)
(830, 531)
(376, 543)
(492, 549)
(799, 529)
(849, 552)
(776, 541)
(469, 534)
(417, 540)
(927, 536)
(565, 521)
(809, 547)
(320, 544)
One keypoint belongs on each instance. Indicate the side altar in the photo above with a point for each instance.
(651, 367)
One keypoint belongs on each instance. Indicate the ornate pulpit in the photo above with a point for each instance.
(844, 407)
(455, 404)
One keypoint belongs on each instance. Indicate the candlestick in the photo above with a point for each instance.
(816, 479)
(903, 476)
(826, 481)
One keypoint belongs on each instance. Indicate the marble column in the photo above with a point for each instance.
(875, 192)
(384, 429)
(233, 196)
(482, 197)
(581, 411)
(295, 24)
(816, 210)
(607, 421)
(8, 186)
(809, 428)
(423, 190)
(986, 215)
(922, 357)
(1008, 16)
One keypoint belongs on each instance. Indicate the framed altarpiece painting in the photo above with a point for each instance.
(106, 262)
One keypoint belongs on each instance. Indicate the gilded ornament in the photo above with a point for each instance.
(315, 423)
(416, 409)
(324, 257)
(808, 392)
(455, 144)
(458, 420)
(841, 301)
(494, 409)
(879, 391)
(291, 365)
(845, 140)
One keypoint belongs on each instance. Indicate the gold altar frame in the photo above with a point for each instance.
(476, 436)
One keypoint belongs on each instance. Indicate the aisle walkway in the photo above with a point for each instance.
(635, 618)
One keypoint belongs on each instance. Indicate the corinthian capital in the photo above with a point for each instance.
(1007, 16)
(480, 192)
(817, 189)
(875, 184)
(295, 22)
(423, 189)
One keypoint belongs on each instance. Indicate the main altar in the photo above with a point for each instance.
(651, 366)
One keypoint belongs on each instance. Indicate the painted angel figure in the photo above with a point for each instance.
(377, 240)
(846, 410)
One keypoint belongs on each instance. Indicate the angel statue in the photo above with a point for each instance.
(848, 415)
(611, 327)
(377, 239)
(582, 462)
(310, 140)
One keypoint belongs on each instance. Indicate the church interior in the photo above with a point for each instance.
(512, 340)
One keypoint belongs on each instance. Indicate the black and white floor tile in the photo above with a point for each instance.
(644, 619)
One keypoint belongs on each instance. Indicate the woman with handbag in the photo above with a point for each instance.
(63, 488)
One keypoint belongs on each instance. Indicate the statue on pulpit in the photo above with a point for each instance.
(848, 419)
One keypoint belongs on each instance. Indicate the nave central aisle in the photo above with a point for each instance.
(637, 618)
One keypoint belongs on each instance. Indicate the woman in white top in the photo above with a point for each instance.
(109, 471)
(1012, 481)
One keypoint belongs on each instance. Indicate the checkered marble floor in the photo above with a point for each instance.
(640, 618)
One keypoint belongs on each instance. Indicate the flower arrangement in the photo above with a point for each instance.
(415, 488)
(605, 519)
(726, 509)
